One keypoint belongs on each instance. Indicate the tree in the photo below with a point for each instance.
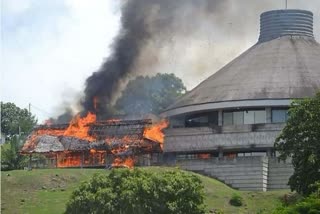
(300, 140)
(10, 156)
(15, 120)
(150, 94)
(139, 191)
(16, 123)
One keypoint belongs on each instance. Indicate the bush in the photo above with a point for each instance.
(310, 205)
(236, 200)
(10, 156)
(291, 198)
(137, 191)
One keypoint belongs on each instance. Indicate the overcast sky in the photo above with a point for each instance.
(49, 48)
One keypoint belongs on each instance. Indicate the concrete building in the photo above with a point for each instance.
(226, 126)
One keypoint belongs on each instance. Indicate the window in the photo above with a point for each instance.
(202, 119)
(227, 118)
(238, 118)
(260, 117)
(279, 115)
(197, 121)
(244, 117)
(249, 117)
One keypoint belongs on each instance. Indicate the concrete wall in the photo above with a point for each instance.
(206, 139)
(279, 174)
(244, 173)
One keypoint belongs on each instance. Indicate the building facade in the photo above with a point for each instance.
(226, 126)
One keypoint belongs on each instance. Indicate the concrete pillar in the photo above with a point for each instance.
(220, 118)
(220, 153)
(268, 115)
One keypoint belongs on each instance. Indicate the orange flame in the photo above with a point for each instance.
(30, 142)
(79, 127)
(68, 159)
(128, 162)
(154, 132)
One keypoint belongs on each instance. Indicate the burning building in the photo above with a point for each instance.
(86, 142)
(226, 126)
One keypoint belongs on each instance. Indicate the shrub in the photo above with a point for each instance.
(310, 205)
(291, 198)
(236, 200)
(136, 191)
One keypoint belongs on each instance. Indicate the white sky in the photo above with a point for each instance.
(49, 48)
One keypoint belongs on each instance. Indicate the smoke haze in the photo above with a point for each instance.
(192, 39)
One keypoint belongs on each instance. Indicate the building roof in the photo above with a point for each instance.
(286, 67)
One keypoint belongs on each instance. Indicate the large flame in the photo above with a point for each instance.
(30, 142)
(127, 162)
(154, 132)
(79, 127)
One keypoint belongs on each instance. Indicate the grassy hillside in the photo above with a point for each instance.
(47, 191)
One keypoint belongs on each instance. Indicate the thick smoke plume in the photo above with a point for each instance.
(192, 39)
(143, 21)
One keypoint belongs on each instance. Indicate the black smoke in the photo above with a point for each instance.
(62, 118)
(141, 21)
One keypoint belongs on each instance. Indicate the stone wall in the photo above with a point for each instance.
(244, 173)
(279, 174)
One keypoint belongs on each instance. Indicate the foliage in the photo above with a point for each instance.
(300, 140)
(15, 120)
(16, 123)
(10, 156)
(309, 205)
(150, 94)
(236, 200)
(291, 198)
(60, 183)
(137, 191)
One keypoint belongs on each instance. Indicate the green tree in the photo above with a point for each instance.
(150, 94)
(300, 140)
(10, 156)
(138, 191)
(16, 123)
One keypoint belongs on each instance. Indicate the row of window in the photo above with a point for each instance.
(244, 117)
(254, 117)
(228, 155)
(237, 118)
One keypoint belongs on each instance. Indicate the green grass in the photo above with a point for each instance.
(48, 190)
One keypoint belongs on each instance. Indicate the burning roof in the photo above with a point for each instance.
(122, 139)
